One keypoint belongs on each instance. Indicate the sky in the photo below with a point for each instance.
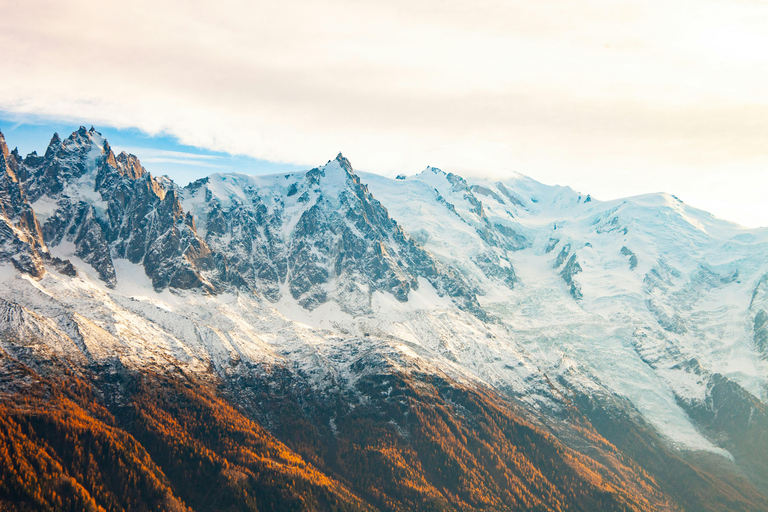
(161, 154)
(611, 97)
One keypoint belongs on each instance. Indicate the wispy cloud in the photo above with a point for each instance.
(146, 153)
(154, 156)
(614, 98)
(181, 161)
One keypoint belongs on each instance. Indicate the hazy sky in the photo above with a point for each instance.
(612, 97)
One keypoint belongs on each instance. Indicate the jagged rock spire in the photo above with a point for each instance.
(344, 163)
(3, 146)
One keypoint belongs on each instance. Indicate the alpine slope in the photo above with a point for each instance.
(630, 336)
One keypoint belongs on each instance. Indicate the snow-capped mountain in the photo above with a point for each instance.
(646, 294)
(642, 311)
(101, 207)
(321, 235)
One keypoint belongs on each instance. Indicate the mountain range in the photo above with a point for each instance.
(337, 340)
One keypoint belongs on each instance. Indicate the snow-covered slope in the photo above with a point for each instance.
(645, 295)
(535, 290)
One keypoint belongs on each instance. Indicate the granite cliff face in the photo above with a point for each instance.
(21, 238)
(99, 206)
(319, 236)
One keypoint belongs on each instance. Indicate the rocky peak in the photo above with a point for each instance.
(7, 167)
(14, 159)
(65, 162)
(129, 165)
(4, 147)
(21, 240)
(86, 137)
(112, 170)
(53, 145)
(108, 206)
(10, 159)
(344, 164)
(330, 180)
(457, 182)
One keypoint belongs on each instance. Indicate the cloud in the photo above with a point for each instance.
(165, 156)
(163, 153)
(614, 98)
(180, 161)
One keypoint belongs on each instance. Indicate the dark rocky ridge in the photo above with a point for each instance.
(570, 269)
(632, 257)
(343, 246)
(21, 238)
(110, 206)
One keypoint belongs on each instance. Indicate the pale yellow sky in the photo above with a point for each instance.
(614, 98)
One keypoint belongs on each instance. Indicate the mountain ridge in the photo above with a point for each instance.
(340, 279)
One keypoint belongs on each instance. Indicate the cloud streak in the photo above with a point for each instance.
(614, 98)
